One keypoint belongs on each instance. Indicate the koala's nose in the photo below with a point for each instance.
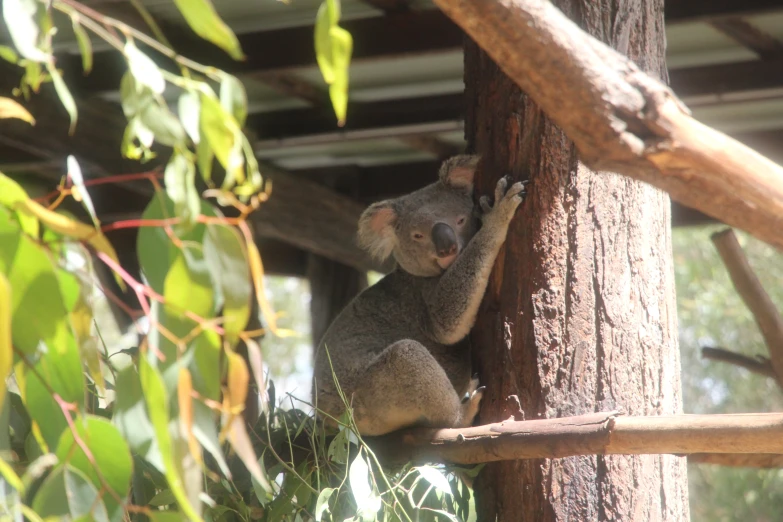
(445, 240)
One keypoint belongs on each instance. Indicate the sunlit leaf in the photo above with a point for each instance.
(6, 351)
(189, 108)
(110, 454)
(10, 108)
(166, 128)
(333, 48)
(222, 132)
(257, 366)
(185, 401)
(188, 285)
(238, 380)
(57, 222)
(64, 94)
(205, 157)
(226, 258)
(10, 476)
(436, 478)
(143, 69)
(21, 20)
(233, 97)
(322, 504)
(83, 40)
(205, 431)
(180, 177)
(157, 405)
(367, 500)
(205, 22)
(76, 177)
(257, 273)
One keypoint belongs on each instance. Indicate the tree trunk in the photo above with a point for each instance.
(580, 312)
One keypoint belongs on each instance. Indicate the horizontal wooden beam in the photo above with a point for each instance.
(425, 31)
(682, 11)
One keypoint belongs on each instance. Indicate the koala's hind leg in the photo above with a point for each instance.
(403, 386)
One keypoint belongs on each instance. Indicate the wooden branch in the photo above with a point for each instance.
(621, 119)
(739, 460)
(760, 365)
(314, 218)
(594, 434)
(753, 295)
(766, 46)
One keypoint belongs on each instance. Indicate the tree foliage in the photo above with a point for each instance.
(157, 431)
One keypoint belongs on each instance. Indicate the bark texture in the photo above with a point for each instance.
(580, 312)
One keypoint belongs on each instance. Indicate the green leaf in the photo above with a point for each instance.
(205, 22)
(37, 308)
(224, 136)
(189, 108)
(166, 128)
(180, 180)
(10, 108)
(67, 492)
(164, 498)
(21, 20)
(233, 97)
(205, 430)
(155, 250)
(205, 157)
(226, 257)
(111, 456)
(144, 69)
(435, 477)
(83, 40)
(157, 405)
(322, 504)
(64, 94)
(132, 419)
(188, 285)
(333, 47)
(6, 350)
(8, 54)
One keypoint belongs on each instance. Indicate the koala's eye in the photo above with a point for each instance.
(461, 221)
(418, 235)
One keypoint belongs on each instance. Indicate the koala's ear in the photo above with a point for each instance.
(376, 229)
(459, 171)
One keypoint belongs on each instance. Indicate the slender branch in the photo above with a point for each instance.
(759, 364)
(753, 294)
(593, 434)
(621, 119)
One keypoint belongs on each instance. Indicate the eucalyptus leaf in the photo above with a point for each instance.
(110, 454)
(21, 20)
(435, 478)
(205, 22)
(189, 108)
(143, 69)
(83, 41)
(233, 97)
(180, 178)
(67, 492)
(66, 98)
(322, 504)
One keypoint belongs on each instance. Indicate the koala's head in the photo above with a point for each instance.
(426, 230)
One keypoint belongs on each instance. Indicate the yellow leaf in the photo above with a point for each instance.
(6, 351)
(184, 390)
(257, 272)
(11, 109)
(238, 380)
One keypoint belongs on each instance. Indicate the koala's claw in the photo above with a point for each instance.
(470, 402)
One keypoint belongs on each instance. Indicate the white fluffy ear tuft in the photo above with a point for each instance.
(376, 229)
(459, 171)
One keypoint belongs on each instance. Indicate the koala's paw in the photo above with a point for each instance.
(470, 403)
(507, 199)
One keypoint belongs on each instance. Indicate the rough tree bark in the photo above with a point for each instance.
(580, 311)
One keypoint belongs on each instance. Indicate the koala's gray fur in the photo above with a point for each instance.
(398, 349)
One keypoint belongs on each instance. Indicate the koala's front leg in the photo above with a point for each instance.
(454, 302)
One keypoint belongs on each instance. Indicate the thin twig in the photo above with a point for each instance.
(753, 295)
(759, 364)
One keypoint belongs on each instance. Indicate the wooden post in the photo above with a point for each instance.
(580, 312)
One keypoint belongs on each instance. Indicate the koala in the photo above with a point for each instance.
(399, 349)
